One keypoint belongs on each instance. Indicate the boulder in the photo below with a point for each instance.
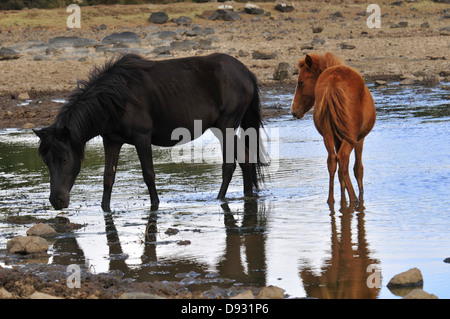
(158, 17)
(184, 45)
(251, 8)
(411, 277)
(126, 37)
(284, 7)
(8, 54)
(419, 294)
(283, 71)
(42, 230)
(27, 245)
(182, 20)
(259, 55)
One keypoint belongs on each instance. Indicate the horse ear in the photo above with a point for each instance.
(308, 61)
(39, 133)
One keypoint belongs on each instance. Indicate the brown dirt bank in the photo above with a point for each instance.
(418, 46)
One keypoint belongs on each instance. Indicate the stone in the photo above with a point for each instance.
(380, 82)
(227, 15)
(271, 292)
(431, 79)
(284, 7)
(443, 31)
(5, 294)
(411, 277)
(8, 54)
(283, 71)
(163, 35)
(27, 245)
(260, 55)
(182, 20)
(244, 295)
(41, 295)
(447, 260)
(23, 96)
(139, 295)
(184, 45)
(345, 46)
(419, 294)
(159, 17)
(75, 42)
(42, 230)
(251, 8)
(199, 31)
(317, 29)
(425, 25)
(162, 50)
(126, 37)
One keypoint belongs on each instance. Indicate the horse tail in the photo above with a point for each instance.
(333, 111)
(252, 118)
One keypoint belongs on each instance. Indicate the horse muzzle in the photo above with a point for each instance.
(59, 202)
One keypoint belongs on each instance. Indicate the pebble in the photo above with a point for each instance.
(419, 294)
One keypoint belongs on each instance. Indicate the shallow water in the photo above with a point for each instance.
(288, 236)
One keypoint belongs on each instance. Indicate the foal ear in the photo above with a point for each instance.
(308, 61)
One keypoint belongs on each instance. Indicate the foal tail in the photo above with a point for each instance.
(333, 112)
(253, 119)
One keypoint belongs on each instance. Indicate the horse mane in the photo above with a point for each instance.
(102, 96)
(321, 62)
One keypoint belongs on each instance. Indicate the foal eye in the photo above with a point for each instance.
(300, 83)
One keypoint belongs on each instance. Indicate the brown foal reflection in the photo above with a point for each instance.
(345, 274)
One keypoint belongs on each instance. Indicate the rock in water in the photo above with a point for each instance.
(41, 230)
(27, 245)
(411, 277)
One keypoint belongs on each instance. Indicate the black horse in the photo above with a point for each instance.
(140, 102)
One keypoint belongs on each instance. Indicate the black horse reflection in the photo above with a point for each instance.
(246, 233)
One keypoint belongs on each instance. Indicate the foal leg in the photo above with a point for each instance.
(358, 169)
(344, 177)
(332, 165)
(112, 150)
(144, 150)
(243, 158)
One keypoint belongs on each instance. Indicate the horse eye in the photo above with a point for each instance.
(300, 83)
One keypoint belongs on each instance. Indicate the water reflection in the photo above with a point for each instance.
(233, 267)
(343, 275)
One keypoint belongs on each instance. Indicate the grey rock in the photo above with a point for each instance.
(126, 37)
(158, 17)
(345, 46)
(283, 71)
(75, 42)
(184, 45)
(250, 8)
(163, 35)
(162, 50)
(259, 55)
(284, 7)
(8, 54)
(182, 20)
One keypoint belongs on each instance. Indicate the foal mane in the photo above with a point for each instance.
(321, 62)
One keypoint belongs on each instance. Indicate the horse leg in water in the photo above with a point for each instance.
(332, 165)
(144, 149)
(112, 150)
(229, 161)
(358, 169)
(343, 158)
